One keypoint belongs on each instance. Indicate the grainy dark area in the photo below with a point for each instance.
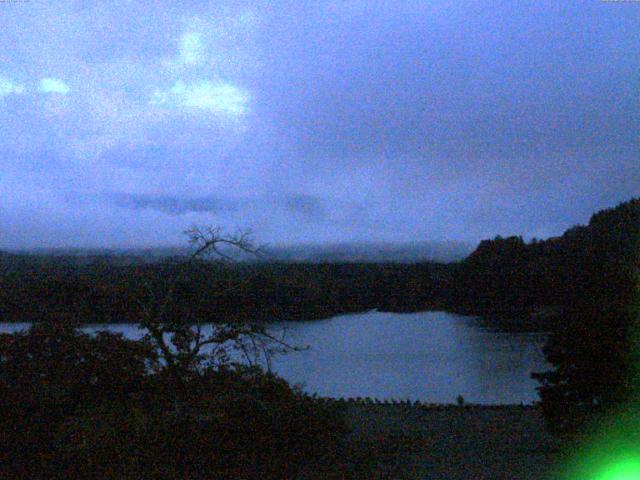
(412, 442)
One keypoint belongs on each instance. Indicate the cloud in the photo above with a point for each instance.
(173, 205)
(191, 49)
(7, 87)
(306, 206)
(202, 71)
(194, 67)
(53, 85)
(393, 121)
(216, 97)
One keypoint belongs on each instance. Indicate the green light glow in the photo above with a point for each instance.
(612, 450)
(623, 469)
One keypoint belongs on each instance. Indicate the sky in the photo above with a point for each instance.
(124, 123)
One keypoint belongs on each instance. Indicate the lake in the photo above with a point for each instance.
(426, 356)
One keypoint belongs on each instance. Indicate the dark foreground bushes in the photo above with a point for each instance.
(79, 406)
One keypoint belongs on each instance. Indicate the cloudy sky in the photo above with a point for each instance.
(124, 123)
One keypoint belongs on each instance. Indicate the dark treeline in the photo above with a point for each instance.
(34, 288)
(503, 275)
(591, 275)
(594, 348)
(593, 263)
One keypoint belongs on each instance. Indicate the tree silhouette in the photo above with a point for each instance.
(181, 343)
(174, 404)
(594, 348)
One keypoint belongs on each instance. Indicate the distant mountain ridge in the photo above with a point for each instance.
(594, 264)
(442, 252)
(345, 252)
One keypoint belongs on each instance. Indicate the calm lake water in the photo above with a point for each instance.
(427, 356)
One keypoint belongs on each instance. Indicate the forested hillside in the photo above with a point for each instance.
(505, 275)
(593, 263)
(32, 289)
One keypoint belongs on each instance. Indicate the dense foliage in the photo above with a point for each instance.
(33, 289)
(590, 276)
(586, 264)
(79, 406)
(594, 349)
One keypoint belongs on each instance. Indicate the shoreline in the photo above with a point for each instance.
(418, 404)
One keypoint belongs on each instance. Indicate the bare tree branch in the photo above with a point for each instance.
(181, 343)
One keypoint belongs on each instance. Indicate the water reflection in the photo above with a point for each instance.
(431, 356)
(427, 356)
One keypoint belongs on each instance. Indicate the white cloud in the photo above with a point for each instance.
(217, 97)
(205, 54)
(199, 79)
(7, 87)
(191, 49)
(53, 85)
